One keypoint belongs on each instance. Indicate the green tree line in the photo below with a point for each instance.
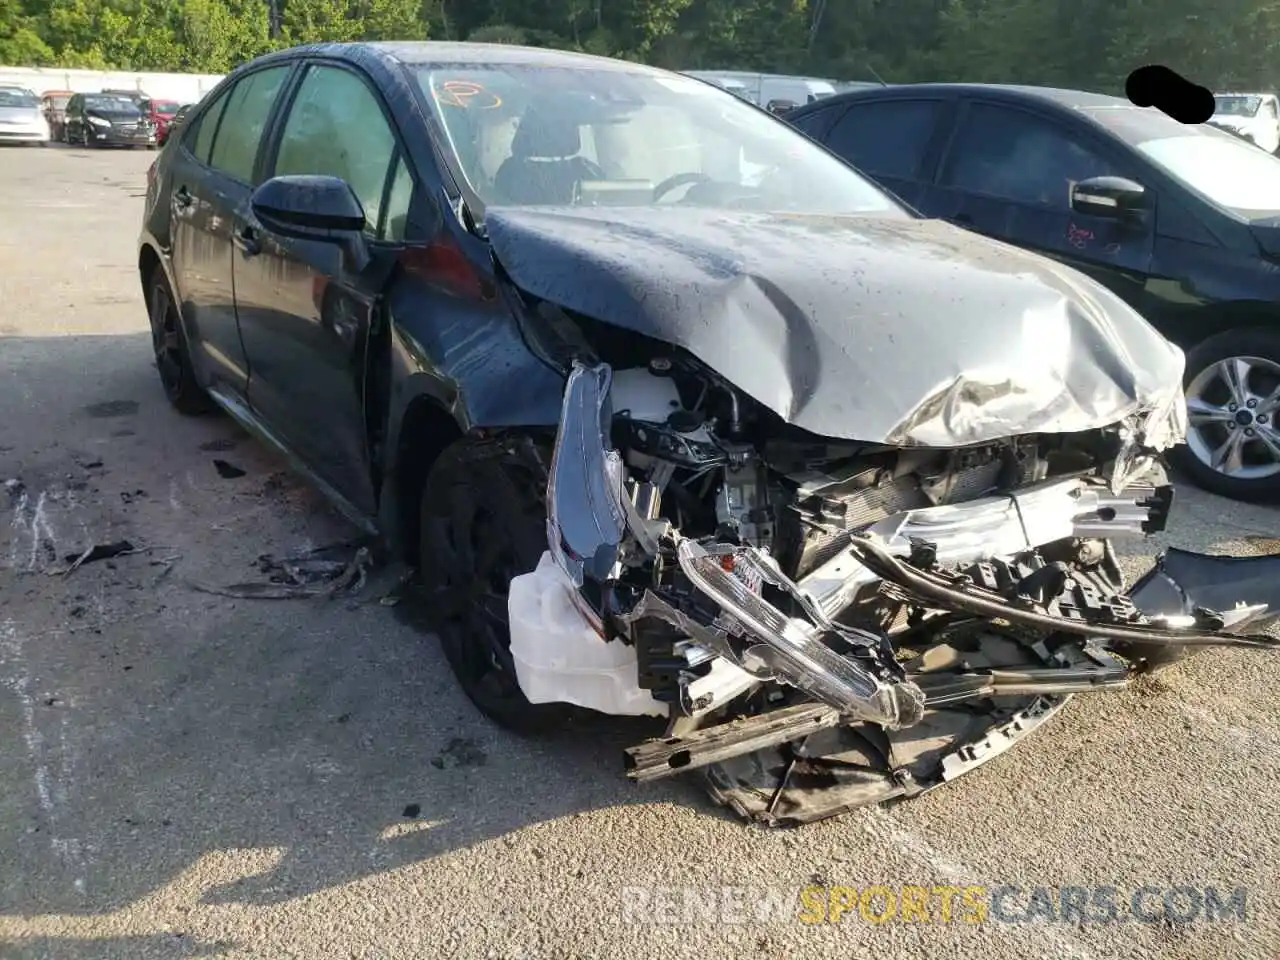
(1090, 44)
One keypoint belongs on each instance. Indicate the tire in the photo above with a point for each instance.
(172, 351)
(483, 522)
(1216, 426)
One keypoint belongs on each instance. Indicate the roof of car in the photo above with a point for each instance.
(413, 52)
(1065, 98)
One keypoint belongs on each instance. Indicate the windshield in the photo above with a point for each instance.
(59, 103)
(1236, 106)
(166, 109)
(1228, 171)
(111, 104)
(536, 135)
(10, 97)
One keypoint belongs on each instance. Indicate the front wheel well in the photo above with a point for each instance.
(1191, 330)
(148, 263)
(426, 430)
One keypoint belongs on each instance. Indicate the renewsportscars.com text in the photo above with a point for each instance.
(934, 904)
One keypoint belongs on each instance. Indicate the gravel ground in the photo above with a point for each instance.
(184, 774)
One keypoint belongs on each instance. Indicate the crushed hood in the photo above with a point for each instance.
(897, 331)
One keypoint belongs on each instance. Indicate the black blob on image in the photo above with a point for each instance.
(1162, 88)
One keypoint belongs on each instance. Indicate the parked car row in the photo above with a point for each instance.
(105, 118)
(679, 414)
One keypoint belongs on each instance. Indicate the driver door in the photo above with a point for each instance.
(1008, 173)
(305, 311)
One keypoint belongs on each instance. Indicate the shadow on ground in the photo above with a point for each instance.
(164, 738)
(159, 947)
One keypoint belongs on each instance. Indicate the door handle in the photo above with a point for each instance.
(183, 198)
(246, 239)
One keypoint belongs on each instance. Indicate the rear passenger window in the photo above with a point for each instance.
(205, 128)
(814, 123)
(249, 105)
(887, 138)
(336, 128)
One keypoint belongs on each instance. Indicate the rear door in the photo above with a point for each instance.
(210, 181)
(893, 140)
(305, 311)
(1008, 173)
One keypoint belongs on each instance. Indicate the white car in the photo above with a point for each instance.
(1253, 116)
(21, 120)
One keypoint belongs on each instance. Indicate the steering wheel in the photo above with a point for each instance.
(679, 180)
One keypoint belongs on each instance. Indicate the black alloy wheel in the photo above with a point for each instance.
(482, 524)
(173, 356)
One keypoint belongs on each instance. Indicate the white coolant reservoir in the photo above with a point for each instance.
(559, 656)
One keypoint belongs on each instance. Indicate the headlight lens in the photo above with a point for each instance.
(585, 517)
(99, 122)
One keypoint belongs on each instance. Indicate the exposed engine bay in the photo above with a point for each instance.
(827, 623)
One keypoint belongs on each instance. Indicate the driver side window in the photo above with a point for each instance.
(336, 128)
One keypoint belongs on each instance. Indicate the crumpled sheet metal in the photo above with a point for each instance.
(905, 332)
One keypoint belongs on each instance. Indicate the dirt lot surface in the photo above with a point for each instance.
(183, 774)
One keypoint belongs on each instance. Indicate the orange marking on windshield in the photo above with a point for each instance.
(466, 94)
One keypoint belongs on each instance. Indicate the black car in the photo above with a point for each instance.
(623, 363)
(1181, 221)
(107, 119)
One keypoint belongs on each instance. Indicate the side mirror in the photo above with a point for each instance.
(1117, 198)
(307, 207)
(319, 208)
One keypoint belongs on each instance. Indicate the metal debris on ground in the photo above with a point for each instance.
(167, 563)
(399, 589)
(219, 445)
(314, 574)
(99, 551)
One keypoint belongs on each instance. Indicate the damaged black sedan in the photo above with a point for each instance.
(678, 415)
